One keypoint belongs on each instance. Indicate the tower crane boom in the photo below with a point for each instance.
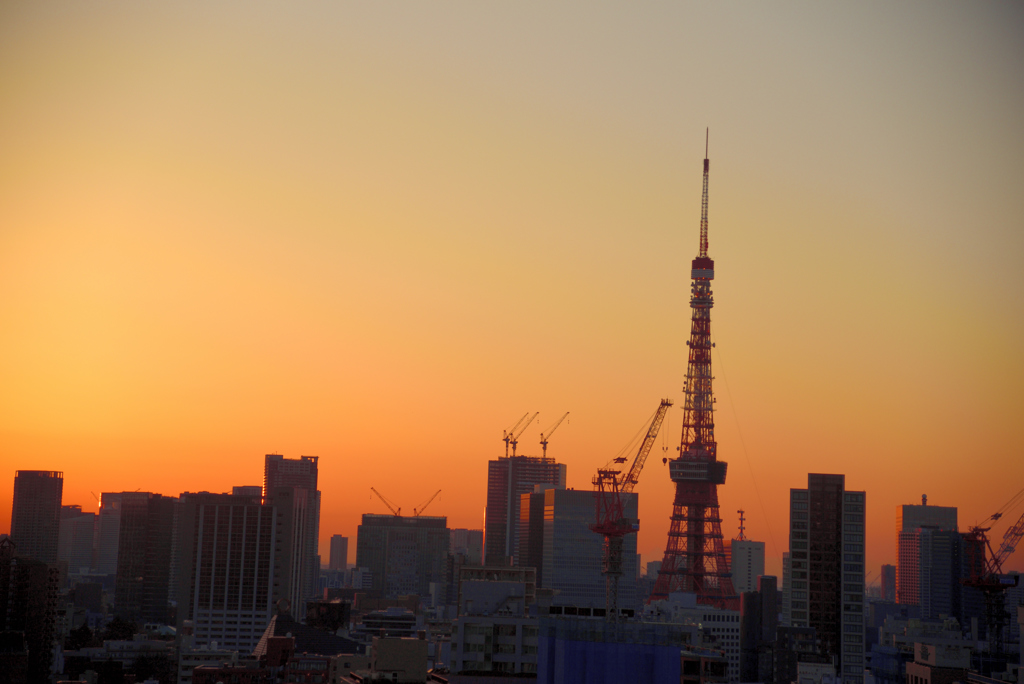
(544, 436)
(418, 511)
(395, 511)
(645, 448)
(515, 433)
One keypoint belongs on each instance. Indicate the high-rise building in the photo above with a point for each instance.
(28, 610)
(233, 567)
(108, 532)
(826, 546)
(508, 478)
(142, 585)
(572, 555)
(939, 588)
(746, 562)
(35, 514)
(888, 580)
(339, 552)
(74, 544)
(281, 473)
(469, 543)
(909, 520)
(404, 554)
(531, 530)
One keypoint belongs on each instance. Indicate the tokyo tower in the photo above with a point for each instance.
(695, 554)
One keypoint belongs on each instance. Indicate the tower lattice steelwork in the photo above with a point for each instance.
(695, 554)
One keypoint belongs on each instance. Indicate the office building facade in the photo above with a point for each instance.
(403, 554)
(35, 514)
(910, 567)
(508, 478)
(826, 547)
(572, 555)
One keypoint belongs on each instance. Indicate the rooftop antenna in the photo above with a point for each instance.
(742, 520)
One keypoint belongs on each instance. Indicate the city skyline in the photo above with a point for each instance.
(379, 237)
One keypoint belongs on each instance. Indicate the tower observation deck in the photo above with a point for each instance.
(694, 558)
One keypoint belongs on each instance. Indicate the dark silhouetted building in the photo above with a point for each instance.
(28, 606)
(339, 553)
(142, 586)
(404, 555)
(108, 533)
(508, 478)
(826, 547)
(35, 514)
(74, 544)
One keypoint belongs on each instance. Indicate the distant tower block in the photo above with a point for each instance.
(695, 553)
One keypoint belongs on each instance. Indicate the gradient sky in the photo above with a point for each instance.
(379, 233)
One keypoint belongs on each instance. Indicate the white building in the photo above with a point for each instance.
(746, 562)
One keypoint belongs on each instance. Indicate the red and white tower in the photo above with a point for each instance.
(695, 554)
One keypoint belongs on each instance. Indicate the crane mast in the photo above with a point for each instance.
(987, 575)
(611, 520)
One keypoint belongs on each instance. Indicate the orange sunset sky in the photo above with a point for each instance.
(380, 232)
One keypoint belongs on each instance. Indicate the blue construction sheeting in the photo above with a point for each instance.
(595, 652)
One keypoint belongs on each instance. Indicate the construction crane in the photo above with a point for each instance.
(394, 510)
(987, 573)
(507, 434)
(611, 520)
(544, 436)
(512, 436)
(418, 511)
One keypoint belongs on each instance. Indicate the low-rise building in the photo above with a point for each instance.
(939, 664)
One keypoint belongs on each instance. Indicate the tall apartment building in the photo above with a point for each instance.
(826, 546)
(279, 474)
(404, 555)
(571, 555)
(35, 514)
(142, 585)
(74, 543)
(508, 478)
(339, 553)
(234, 567)
(108, 532)
(746, 562)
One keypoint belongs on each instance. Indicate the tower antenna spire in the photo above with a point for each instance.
(694, 558)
